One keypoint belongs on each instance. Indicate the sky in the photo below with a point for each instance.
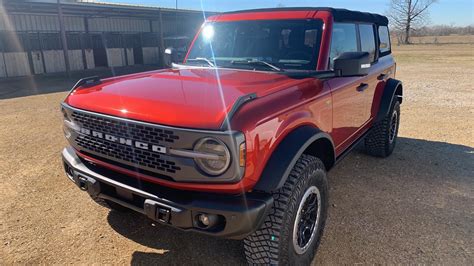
(457, 12)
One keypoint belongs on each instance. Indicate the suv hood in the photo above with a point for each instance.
(190, 97)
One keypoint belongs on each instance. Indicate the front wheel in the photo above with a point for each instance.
(292, 231)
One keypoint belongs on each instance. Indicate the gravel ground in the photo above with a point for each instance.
(415, 207)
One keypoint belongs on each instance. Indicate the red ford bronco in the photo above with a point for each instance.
(236, 140)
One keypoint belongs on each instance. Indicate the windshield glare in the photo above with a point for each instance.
(286, 44)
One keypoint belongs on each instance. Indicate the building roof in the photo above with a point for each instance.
(95, 8)
(339, 14)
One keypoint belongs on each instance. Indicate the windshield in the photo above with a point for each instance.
(259, 44)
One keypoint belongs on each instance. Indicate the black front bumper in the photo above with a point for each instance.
(236, 216)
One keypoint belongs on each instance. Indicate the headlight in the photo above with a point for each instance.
(215, 157)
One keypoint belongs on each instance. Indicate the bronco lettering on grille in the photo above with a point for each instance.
(124, 141)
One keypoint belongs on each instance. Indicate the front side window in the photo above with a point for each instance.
(286, 44)
(367, 40)
(344, 39)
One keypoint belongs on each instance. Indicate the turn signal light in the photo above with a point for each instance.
(242, 156)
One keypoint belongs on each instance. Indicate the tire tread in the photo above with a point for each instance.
(263, 246)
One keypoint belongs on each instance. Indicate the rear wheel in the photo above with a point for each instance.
(382, 138)
(292, 231)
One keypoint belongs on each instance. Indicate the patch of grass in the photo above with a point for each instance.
(448, 54)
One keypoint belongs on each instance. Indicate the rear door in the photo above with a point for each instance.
(384, 68)
(368, 44)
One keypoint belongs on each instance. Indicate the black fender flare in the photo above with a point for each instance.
(285, 156)
(393, 91)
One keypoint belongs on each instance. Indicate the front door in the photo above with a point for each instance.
(349, 110)
(349, 94)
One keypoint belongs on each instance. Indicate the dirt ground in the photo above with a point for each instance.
(415, 207)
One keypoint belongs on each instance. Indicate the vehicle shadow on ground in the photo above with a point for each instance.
(174, 246)
(414, 163)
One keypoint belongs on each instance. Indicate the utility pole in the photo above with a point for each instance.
(176, 17)
(162, 40)
(63, 39)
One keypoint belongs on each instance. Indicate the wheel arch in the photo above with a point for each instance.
(393, 91)
(303, 140)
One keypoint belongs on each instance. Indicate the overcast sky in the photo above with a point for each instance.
(458, 12)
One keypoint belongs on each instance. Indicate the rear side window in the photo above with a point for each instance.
(367, 40)
(384, 36)
(344, 39)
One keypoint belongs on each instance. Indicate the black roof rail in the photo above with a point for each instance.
(339, 14)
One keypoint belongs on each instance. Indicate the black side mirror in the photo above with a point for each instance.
(352, 64)
(170, 56)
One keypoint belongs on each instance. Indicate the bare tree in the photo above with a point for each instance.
(407, 15)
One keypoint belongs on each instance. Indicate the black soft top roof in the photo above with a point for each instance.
(339, 14)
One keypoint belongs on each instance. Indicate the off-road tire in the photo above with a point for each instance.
(272, 243)
(378, 142)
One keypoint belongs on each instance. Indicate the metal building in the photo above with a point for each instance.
(42, 36)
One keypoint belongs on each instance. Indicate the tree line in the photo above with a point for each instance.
(411, 18)
(443, 30)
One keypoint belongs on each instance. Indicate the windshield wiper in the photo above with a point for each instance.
(201, 59)
(256, 62)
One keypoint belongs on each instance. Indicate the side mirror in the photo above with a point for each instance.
(170, 56)
(352, 64)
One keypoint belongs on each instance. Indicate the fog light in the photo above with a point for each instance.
(204, 219)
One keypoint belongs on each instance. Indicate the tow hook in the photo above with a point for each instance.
(157, 212)
(82, 183)
(88, 184)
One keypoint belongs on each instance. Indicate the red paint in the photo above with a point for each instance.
(188, 98)
(191, 98)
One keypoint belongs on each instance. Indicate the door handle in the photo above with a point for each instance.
(362, 87)
(382, 76)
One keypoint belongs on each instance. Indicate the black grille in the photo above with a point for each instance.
(127, 130)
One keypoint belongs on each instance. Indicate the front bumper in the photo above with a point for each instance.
(233, 216)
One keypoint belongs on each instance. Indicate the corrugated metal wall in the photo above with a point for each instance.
(30, 22)
(37, 58)
(3, 71)
(118, 25)
(181, 25)
(3, 25)
(30, 43)
(17, 64)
